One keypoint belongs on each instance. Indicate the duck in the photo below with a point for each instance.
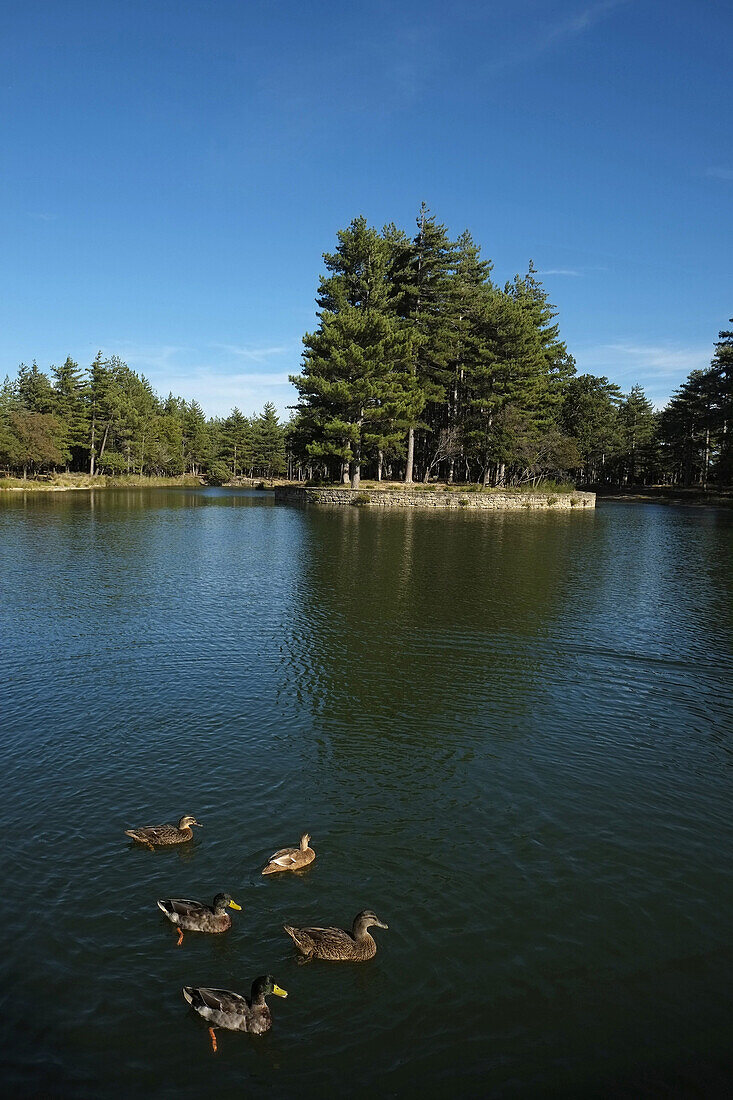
(160, 836)
(234, 1011)
(194, 916)
(335, 944)
(291, 859)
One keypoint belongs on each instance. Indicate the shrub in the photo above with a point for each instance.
(218, 473)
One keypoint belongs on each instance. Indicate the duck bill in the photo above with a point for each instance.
(278, 991)
(233, 905)
(381, 924)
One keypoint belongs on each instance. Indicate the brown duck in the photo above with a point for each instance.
(194, 916)
(291, 859)
(160, 836)
(335, 944)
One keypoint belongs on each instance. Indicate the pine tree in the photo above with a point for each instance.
(355, 389)
(197, 446)
(589, 415)
(236, 442)
(269, 443)
(34, 389)
(421, 295)
(689, 427)
(71, 409)
(469, 290)
(722, 367)
(550, 366)
(637, 428)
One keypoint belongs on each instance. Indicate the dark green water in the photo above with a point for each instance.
(510, 735)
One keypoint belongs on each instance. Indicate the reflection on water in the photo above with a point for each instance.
(508, 734)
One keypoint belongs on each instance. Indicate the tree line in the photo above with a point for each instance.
(107, 419)
(422, 368)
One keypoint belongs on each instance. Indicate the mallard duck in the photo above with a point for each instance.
(335, 944)
(222, 1008)
(194, 916)
(159, 836)
(291, 859)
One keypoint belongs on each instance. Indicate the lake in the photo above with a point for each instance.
(508, 734)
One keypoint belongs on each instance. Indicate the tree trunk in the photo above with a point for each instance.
(104, 441)
(345, 472)
(410, 459)
(92, 453)
(380, 463)
(356, 473)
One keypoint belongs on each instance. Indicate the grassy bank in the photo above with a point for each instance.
(669, 494)
(57, 483)
(546, 486)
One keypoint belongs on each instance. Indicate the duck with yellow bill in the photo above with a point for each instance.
(194, 916)
(234, 1011)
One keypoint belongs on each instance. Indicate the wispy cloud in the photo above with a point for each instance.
(581, 20)
(218, 393)
(659, 368)
(561, 271)
(719, 173)
(662, 360)
(147, 359)
(254, 355)
(214, 375)
(549, 36)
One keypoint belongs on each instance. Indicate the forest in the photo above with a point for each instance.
(421, 368)
(108, 420)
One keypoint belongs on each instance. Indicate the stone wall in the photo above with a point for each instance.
(416, 498)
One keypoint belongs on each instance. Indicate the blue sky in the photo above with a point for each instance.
(172, 171)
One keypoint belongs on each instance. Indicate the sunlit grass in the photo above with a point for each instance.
(95, 481)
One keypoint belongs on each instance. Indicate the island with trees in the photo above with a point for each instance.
(421, 369)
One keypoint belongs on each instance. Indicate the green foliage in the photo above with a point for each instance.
(218, 473)
(32, 441)
(108, 420)
(422, 367)
(268, 443)
(357, 391)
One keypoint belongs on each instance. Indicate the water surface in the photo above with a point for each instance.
(507, 734)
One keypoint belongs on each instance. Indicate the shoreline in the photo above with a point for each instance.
(487, 500)
(689, 498)
(87, 482)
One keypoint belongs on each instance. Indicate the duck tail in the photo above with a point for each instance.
(188, 993)
(301, 941)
